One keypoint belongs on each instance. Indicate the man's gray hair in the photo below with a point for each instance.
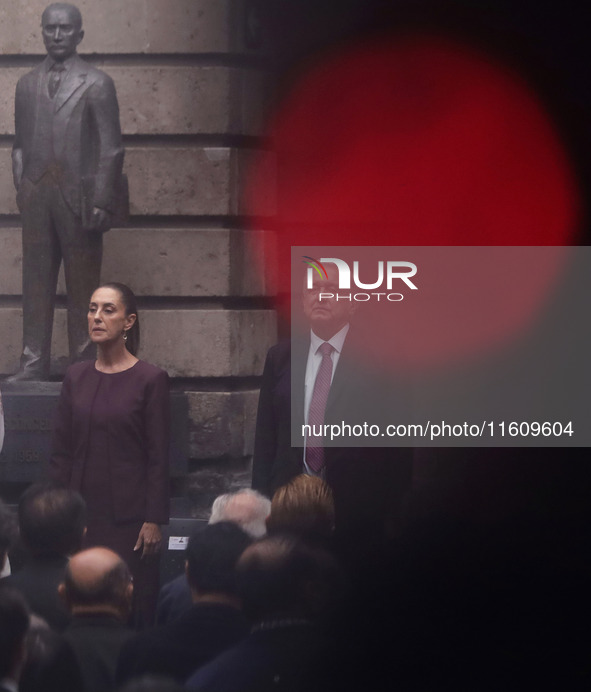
(247, 508)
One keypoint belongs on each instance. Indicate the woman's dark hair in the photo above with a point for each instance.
(130, 302)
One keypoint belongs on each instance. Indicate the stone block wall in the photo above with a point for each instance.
(191, 85)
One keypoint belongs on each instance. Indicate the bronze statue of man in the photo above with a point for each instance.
(66, 160)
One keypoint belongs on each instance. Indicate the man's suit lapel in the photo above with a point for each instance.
(72, 83)
(299, 359)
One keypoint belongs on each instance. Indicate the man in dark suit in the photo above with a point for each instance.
(52, 523)
(14, 624)
(287, 589)
(97, 590)
(247, 509)
(212, 624)
(367, 482)
(66, 160)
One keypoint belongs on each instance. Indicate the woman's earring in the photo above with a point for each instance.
(124, 336)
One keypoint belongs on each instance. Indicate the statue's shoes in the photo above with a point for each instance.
(28, 375)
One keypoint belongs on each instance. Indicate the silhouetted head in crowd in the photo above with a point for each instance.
(52, 520)
(50, 664)
(247, 508)
(304, 507)
(211, 556)
(8, 532)
(97, 581)
(282, 577)
(14, 624)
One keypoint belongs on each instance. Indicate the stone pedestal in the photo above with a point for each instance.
(29, 410)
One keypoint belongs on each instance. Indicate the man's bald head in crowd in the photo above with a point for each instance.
(97, 580)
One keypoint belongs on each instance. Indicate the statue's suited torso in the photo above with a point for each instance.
(75, 136)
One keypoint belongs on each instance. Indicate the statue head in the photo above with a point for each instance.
(61, 25)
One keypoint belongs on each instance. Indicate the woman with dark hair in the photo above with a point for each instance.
(111, 441)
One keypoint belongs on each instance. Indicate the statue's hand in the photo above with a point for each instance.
(100, 220)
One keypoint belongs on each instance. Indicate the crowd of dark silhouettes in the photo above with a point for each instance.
(269, 602)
